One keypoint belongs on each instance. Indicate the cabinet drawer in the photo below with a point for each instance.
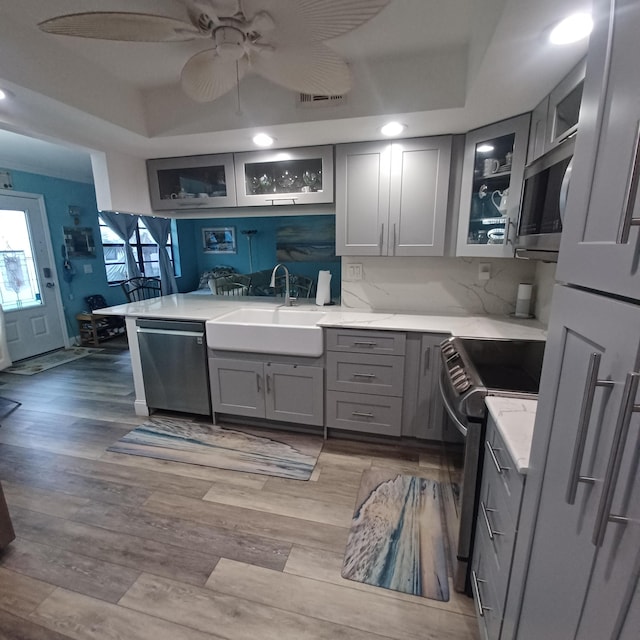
(501, 467)
(484, 593)
(383, 342)
(365, 373)
(499, 531)
(366, 413)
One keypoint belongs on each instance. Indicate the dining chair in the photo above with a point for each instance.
(233, 284)
(142, 288)
(300, 286)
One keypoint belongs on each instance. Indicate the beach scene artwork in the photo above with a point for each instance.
(313, 241)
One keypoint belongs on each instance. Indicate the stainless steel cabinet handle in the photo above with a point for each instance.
(627, 408)
(363, 375)
(381, 236)
(362, 343)
(487, 522)
(268, 383)
(258, 382)
(394, 238)
(630, 195)
(494, 459)
(480, 608)
(362, 414)
(427, 361)
(590, 386)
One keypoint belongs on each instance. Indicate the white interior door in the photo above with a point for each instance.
(29, 293)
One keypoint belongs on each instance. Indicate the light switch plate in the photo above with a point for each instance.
(88, 268)
(484, 271)
(355, 271)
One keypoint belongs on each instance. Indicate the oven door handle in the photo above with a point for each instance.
(462, 428)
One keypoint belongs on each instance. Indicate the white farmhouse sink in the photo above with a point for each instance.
(283, 330)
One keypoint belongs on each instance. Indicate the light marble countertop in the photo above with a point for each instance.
(204, 306)
(514, 418)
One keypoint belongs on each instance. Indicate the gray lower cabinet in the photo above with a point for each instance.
(423, 416)
(496, 528)
(273, 390)
(365, 380)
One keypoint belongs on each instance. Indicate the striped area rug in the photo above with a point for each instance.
(396, 540)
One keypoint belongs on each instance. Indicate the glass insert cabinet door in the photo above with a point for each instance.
(491, 188)
(285, 177)
(192, 182)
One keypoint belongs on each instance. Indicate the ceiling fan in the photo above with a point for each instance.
(281, 40)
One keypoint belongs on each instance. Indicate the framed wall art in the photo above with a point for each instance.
(219, 240)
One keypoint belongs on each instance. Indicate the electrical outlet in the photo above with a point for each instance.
(88, 268)
(484, 271)
(355, 271)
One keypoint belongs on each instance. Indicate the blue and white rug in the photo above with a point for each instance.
(396, 539)
(282, 454)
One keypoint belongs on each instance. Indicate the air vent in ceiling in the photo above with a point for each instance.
(308, 100)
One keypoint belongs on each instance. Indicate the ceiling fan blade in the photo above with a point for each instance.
(313, 20)
(314, 69)
(121, 26)
(207, 76)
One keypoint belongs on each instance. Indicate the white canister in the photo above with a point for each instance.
(523, 301)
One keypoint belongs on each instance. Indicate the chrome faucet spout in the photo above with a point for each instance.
(287, 296)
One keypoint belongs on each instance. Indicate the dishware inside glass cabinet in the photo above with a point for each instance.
(490, 190)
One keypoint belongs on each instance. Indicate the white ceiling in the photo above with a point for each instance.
(441, 67)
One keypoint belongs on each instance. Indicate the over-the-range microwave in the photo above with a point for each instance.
(544, 199)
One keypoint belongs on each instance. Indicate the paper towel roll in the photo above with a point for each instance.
(523, 301)
(323, 290)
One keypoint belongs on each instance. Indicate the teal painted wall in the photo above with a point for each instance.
(58, 195)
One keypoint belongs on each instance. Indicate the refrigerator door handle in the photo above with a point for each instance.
(591, 384)
(627, 409)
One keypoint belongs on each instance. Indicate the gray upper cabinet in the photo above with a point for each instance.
(556, 117)
(391, 197)
(284, 176)
(583, 480)
(195, 182)
(564, 107)
(600, 239)
(492, 178)
(538, 131)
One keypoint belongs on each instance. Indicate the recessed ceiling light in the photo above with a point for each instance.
(392, 129)
(571, 29)
(484, 148)
(262, 140)
(3, 94)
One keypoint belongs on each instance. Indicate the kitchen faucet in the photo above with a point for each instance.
(288, 300)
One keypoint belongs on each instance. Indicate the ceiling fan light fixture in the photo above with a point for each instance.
(263, 140)
(392, 129)
(229, 43)
(573, 28)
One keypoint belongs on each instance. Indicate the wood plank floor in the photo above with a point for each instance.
(118, 547)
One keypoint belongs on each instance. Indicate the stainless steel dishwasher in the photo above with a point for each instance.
(174, 365)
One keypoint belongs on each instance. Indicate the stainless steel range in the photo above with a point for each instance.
(473, 368)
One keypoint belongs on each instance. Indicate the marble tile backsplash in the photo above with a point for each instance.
(434, 285)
